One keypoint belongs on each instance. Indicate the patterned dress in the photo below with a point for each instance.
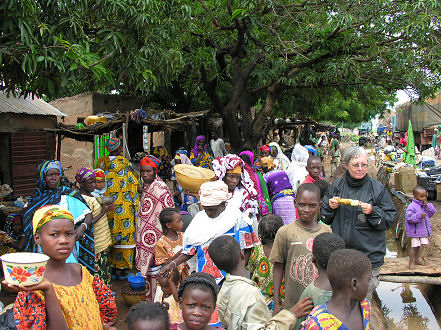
(122, 186)
(85, 306)
(261, 271)
(320, 318)
(204, 162)
(155, 197)
(166, 249)
(102, 241)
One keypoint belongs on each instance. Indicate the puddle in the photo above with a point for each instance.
(403, 304)
(405, 307)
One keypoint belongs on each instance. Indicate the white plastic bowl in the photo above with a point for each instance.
(24, 268)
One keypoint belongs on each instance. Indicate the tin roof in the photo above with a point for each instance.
(27, 105)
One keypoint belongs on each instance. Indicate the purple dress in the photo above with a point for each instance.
(281, 194)
(415, 225)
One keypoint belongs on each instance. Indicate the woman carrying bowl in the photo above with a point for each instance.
(155, 197)
(50, 192)
(68, 297)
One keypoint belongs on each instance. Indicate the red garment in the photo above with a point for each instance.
(308, 179)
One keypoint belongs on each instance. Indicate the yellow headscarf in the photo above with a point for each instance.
(236, 170)
(47, 213)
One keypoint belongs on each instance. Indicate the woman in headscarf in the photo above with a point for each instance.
(231, 170)
(86, 178)
(165, 169)
(155, 197)
(199, 155)
(13, 238)
(280, 191)
(280, 157)
(180, 197)
(259, 183)
(297, 172)
(122, 186)
(264, 151)
(50, 192)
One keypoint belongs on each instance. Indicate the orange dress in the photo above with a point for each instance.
(85, 306)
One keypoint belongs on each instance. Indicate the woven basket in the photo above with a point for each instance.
(192, 177)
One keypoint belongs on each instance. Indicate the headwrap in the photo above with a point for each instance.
(213, 193)
(195, 149)
(99, 174)
(151, 161)
(47, 213)
(181, 152)
(249, 154)
(299, 154)
(230, 163)
(236, 170)
(113, 144)
(265, 148)
(267, 162)
(53, 164)
(283, 160)
(84, 173)
(311, 149)
(43, 169)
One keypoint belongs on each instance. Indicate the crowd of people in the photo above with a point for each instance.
(268, 245)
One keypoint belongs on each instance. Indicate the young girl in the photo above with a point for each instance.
(418, 226)
(68, 297)
(197, 299)
(259, 266)
(149, 316)
(100, 186)
(169, 246)
(86, 178)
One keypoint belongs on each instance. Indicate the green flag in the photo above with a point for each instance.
(409, 151)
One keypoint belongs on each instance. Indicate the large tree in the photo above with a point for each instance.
(286, 57)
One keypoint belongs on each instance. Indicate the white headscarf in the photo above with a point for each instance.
(296, 171)
(284, 161)
(213, 193)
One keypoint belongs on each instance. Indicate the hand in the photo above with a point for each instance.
(79, 232)
(423, 215)
(43, 286)
(192, 195)
(200, 148)
(333, 203)
(165, 271)
(366, 208)
(425, 202)
(276, 309)
(303, 307)
(109, 207)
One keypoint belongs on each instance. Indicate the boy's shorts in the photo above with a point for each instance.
(418, 241)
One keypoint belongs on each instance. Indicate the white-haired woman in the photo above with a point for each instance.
(216, 219)
(362, 227)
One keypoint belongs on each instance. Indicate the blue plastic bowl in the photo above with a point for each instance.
(136, 282)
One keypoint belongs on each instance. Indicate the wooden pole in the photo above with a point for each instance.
(58, 146)
(411, 279)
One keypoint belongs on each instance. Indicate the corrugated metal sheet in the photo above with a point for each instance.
(28, 149)
(27, 105)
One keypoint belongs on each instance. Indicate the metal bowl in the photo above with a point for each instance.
(105, 200)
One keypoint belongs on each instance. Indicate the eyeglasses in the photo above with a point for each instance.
(356, 166)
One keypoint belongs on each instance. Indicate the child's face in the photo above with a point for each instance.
(100, 184)
(314, 169)
(307, 205)
(176, 224)
(264, 153)
(197, 306)
(57, 238)
(420, 195)
(89, 185)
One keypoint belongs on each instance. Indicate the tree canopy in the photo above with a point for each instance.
(322, 58)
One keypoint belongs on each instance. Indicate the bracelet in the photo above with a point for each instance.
(84, 224)
(174, 263)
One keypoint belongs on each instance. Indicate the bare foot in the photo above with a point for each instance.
(420, 262)
(411, 266)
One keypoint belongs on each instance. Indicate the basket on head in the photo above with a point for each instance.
(192, 177)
